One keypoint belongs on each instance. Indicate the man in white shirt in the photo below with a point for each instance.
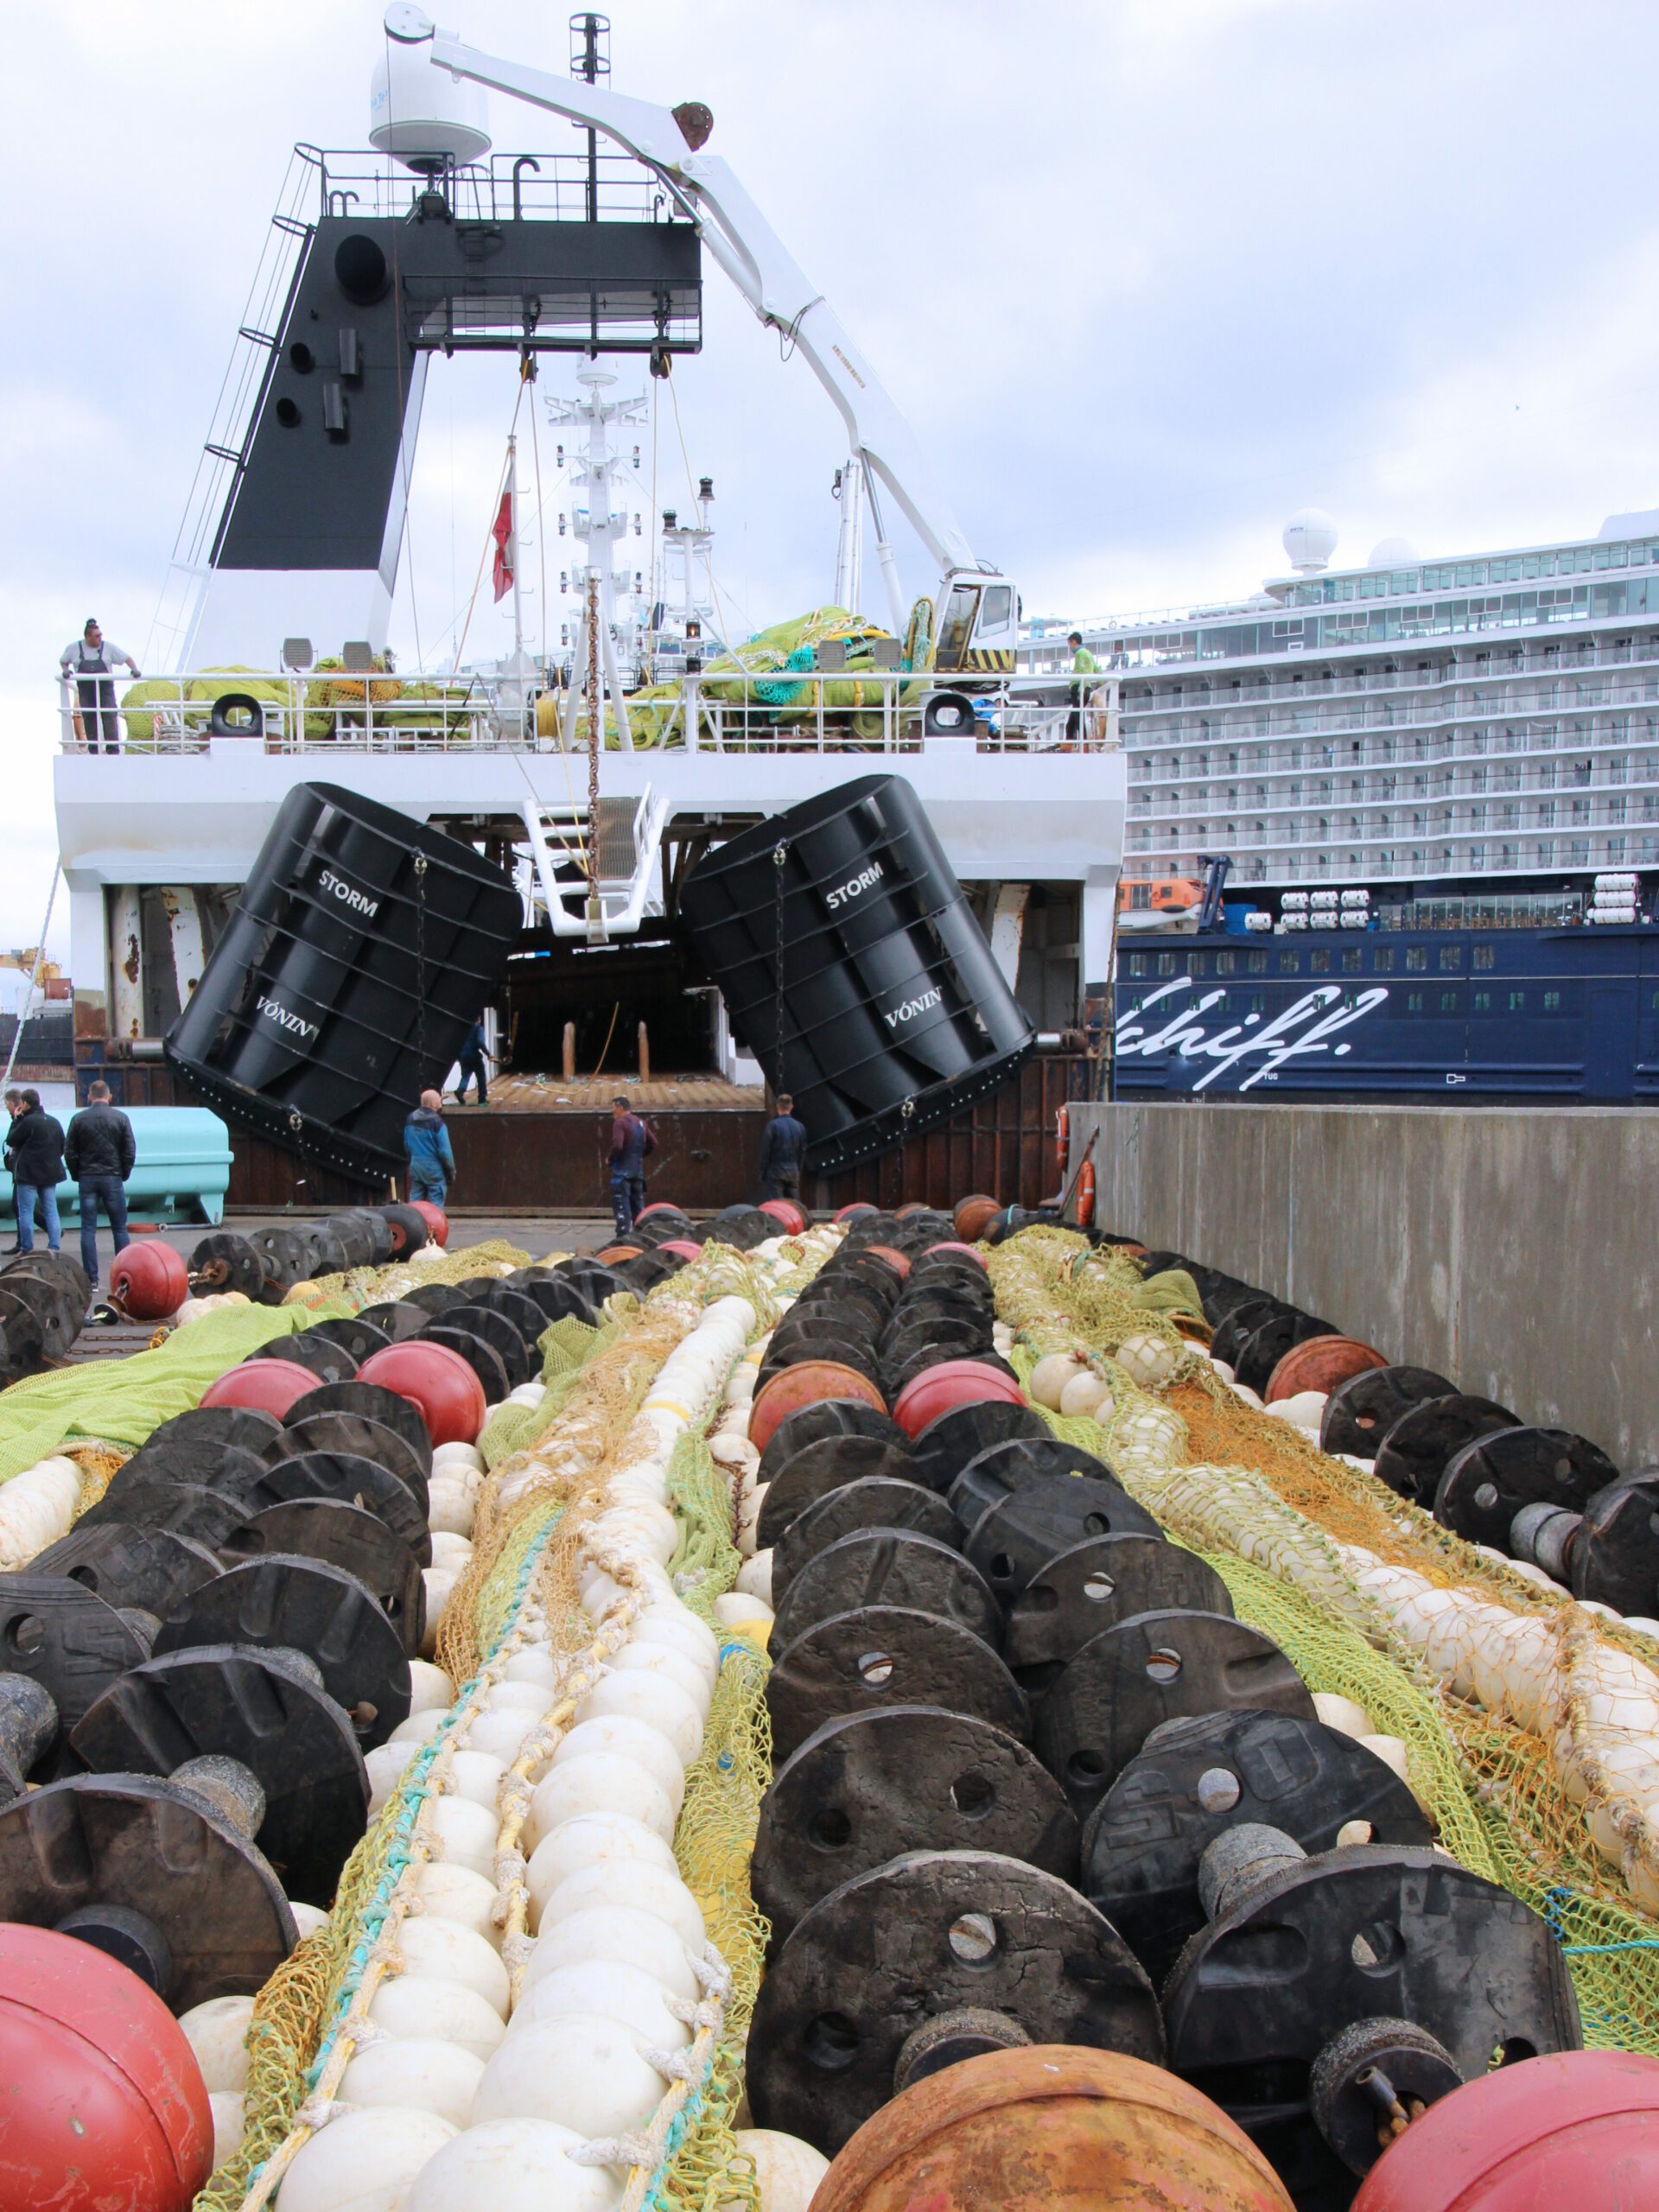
(92, 660)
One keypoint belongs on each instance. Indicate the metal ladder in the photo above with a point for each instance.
(624, 837)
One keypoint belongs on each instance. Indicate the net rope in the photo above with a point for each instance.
(548, 1466)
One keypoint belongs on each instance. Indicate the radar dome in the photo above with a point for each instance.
(1393, 553)
(1309, 540)
(424, 116)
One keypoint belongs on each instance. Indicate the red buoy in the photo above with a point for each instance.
(896, 1259)
(793, 1217)
(858, 1206)
(950, 1244)
(792, 1388)
(949, 1384)
(657, 1205)
(438, 1383)
(681, 1247)
(103, 2102)
(437, 1222)
(1578, 2128)
(148, 1281)
(269, 1386)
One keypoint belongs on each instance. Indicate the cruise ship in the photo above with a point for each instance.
(1469, 748)
(1455, 721)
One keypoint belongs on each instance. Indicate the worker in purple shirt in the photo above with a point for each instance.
(631, 1144)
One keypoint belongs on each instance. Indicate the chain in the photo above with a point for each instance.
(906, 1115)
(779, 858)
(420, 964)
(595, 733)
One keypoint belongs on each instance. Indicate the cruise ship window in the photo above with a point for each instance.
(1258, 1002)
(1165, 963)
(1197, 964)
(1382, 961)
(1258, 963)
(1451, 959)
(1414, 1001)
(1482, 1001)
(1288, 964)
(1226, 964)
(1486, 956)
(1351, 961)
(1448, 1001)
(1551, 1001)
(1137, 963)
(1417, 956)
(1319, 963)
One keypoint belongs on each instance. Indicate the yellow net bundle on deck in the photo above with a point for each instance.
(1285, 1526)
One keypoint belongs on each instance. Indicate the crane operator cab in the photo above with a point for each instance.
(975, 633)
(978, 625)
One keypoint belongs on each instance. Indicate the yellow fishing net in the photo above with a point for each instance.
(1257, 1501)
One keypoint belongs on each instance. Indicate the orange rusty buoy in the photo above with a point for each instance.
(792, 1388)
(614, 1254)
(1050, 2128)
(1319, 1364)
(974, 1216)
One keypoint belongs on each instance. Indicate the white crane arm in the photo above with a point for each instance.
(750, 251)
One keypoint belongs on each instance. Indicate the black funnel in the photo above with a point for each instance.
(363, 948)
(853, 971)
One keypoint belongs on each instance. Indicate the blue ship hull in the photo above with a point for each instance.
(1492, 1016)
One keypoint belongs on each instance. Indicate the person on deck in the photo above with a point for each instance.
(1083, 664)
(100, 1156)
(633, 1143)
(431, 1157)
(472, 1058)
(35, 1145)
(783, 1152)
(92, 660)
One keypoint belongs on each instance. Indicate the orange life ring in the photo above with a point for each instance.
(1086, 1195)
(1062, 1143)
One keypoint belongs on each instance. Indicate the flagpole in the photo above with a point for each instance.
(512, 549)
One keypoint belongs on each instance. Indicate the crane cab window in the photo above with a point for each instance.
(957, 624)
(995, 616)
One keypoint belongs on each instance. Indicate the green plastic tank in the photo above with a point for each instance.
(182, 1174)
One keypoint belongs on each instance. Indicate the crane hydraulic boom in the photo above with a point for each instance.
(667, 141)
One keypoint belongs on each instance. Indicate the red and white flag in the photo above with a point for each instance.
(505, 549)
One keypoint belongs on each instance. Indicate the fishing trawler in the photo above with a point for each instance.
(595, 771)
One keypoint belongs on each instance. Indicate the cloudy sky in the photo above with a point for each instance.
(1146, 276)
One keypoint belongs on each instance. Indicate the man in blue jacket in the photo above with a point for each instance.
(431, 1162)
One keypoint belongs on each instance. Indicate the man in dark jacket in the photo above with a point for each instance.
(632, 1145)
(783, 1152)
(99, 1155)
(431, 1158)
(471, 1058)
(35, 1144)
